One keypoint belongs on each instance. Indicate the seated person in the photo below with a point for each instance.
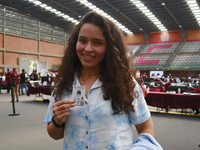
(168, 85)
(190, 84)
(144, 75)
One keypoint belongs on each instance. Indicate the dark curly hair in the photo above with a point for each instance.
(116, 74)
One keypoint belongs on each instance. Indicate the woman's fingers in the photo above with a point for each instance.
(57, 113)
(61, 110)
(64, 104)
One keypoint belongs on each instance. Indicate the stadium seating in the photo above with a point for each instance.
(191, 46)
(160, 47)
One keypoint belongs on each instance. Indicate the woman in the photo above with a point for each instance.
(140, 81)
(96, 59)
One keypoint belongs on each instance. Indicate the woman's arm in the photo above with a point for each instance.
(55, 133)
(61, 110)
(146, 127)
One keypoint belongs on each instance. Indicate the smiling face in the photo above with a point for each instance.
(91, 46)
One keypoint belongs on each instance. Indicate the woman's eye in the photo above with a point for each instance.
(98, 43)
(82, 40)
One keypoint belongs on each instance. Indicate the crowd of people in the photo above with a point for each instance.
(18, 81)
(165, 83)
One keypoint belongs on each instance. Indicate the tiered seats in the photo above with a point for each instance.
(160, 47)
(151, 60)
(192, 46)
(186, 61)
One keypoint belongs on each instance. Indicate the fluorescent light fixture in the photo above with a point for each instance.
(43, 5)
(37, 2)
(149, 14)
(61, 14)
(193, 4)
(66, 16)
(53, 10)
(49, 8)
(57, 12)
(99, 11)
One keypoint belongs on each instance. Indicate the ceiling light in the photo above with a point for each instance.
(55, 11)
(48, 8)
(140, 29)
(43, 5)
(66, 16)
(99, 11)
(196, 12)
(163, 4)
(180, 26)
(61, 14)
(79, 16)
(149, 14)
(37, 2)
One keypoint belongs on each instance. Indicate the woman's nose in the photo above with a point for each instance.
(88, 47)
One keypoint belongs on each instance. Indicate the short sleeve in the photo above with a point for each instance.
(49, 113)
(141, 113)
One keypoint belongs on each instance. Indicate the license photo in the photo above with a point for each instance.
(78, 95)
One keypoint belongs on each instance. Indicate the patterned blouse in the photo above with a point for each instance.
(93, 126)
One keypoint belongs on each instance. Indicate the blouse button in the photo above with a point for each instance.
(86, 147)
(86, 132)
(86, 117)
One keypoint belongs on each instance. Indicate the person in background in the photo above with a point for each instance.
(141, 83)
(168, 85)
(197, 110)
(39, 75)
(34, 75)
(8, 79)
(47, 74)
(153, 75)
(144, 75)
(96, 59)
(23, 82)
(158, 75)
(15, 78)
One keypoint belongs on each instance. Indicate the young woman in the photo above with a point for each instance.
(96, 59)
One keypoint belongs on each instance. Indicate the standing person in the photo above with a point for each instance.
(23, 82)
(15, 77)
(34, 75)
(8, 78)
(95, 59)
(197, 110)
(141, 83)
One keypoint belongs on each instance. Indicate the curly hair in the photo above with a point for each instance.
(116, 74)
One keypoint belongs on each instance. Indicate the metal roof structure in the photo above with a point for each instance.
(173, 14)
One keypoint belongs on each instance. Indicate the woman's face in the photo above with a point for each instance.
(91, 46)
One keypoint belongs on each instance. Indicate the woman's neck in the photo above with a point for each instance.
(89, 72)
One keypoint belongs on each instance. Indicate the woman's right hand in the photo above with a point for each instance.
(61, 110)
